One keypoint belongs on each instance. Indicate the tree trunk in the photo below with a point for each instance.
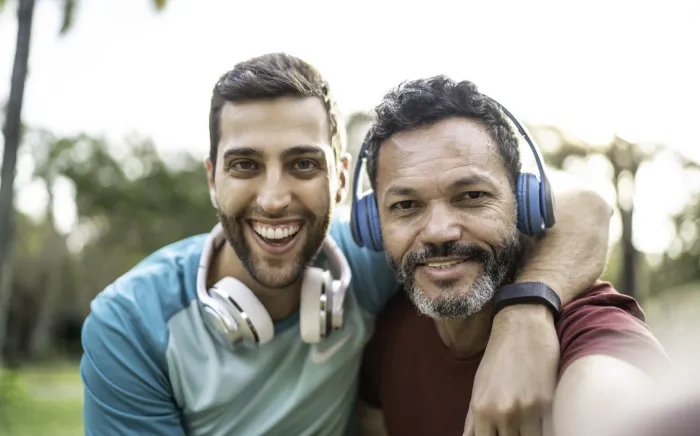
(53, 256)
(629, 255)
(625, 159)
(12, 133)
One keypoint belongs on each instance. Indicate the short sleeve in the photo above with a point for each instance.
(127, 390)
(612, 324)
(373, 281)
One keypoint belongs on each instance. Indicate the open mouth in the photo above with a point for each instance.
(276, 238)
(445, 269)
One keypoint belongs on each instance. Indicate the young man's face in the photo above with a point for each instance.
(276, 181)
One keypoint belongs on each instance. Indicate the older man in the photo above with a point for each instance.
(445, 167)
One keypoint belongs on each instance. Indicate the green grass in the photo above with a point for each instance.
(41, 401)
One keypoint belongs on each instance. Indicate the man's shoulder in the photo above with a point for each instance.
(602, 321)
(141, 301)
(603, 297)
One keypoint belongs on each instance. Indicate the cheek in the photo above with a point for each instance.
(491, 224)
(313, 194)
(397, 239)
(234, 194)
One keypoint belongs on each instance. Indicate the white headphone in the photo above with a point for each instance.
(233, 314)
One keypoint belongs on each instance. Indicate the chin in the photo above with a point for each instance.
(276, 277)
(453, 302)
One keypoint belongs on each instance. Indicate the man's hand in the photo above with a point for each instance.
(515, 382)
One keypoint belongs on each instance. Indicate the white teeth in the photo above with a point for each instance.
(276, 232)
(442, 265)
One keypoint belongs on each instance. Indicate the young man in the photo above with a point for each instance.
(445, 165)
(162, 346)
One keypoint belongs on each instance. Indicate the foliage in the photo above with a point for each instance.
(41, 400)
(127, 207)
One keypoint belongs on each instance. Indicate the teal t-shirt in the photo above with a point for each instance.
(150, 367)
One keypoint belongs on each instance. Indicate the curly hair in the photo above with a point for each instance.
(420, 103)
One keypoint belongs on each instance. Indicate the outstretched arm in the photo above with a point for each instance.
(512, 395)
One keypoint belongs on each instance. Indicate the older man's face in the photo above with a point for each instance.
(448, 215)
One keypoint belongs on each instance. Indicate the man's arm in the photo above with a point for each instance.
(126, 386)
(610, 364)
(596, 393)
(514, 394)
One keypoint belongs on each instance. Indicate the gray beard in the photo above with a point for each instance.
(453, 303)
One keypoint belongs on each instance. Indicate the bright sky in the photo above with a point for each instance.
(592, 67)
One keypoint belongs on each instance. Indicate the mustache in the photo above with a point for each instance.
(449, 249)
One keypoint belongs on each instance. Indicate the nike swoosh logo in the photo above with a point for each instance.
(323, 356)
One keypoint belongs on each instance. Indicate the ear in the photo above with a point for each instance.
(208, 165)
(343, 176)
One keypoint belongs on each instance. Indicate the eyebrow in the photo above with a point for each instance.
(466, 181)
(297, 150)
(300, 150)
(243, 152)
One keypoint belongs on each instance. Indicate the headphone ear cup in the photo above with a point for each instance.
(375, 230)
(362, 220)
(310, 306)
(257, 324)
(212, 197)
(530, 217)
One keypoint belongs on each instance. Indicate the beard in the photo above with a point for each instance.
(270, 272)
(456, 301)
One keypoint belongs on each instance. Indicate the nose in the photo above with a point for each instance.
(441, 226)
(274, 196)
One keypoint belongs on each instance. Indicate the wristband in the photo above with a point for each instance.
(527, 293)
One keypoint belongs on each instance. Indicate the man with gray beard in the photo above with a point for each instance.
(444, 165)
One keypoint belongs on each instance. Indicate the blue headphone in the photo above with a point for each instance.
(535, 201)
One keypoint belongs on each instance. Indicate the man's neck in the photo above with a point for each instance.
(279, 303)
(466, 338)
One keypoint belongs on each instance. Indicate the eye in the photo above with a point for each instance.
(403, 205)
(244, 165)
(305, 165)
(473, 195)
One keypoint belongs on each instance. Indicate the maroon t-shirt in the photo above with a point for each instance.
(422, 389)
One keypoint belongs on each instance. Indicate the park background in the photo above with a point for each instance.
(105, 164)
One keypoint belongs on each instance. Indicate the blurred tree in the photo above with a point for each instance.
(127, 207)
(625, 159)
(357, 125)
(12, 136)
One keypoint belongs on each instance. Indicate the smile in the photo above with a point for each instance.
(445, 269)
(271, 232)
(443, 265)
(276, 238)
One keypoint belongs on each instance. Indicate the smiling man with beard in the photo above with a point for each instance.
(444, 165)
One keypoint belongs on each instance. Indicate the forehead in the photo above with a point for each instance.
(450, 148)
(272, 125)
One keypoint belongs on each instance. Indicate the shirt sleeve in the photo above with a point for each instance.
(612, 324)
(373, 281)
(123, 369)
